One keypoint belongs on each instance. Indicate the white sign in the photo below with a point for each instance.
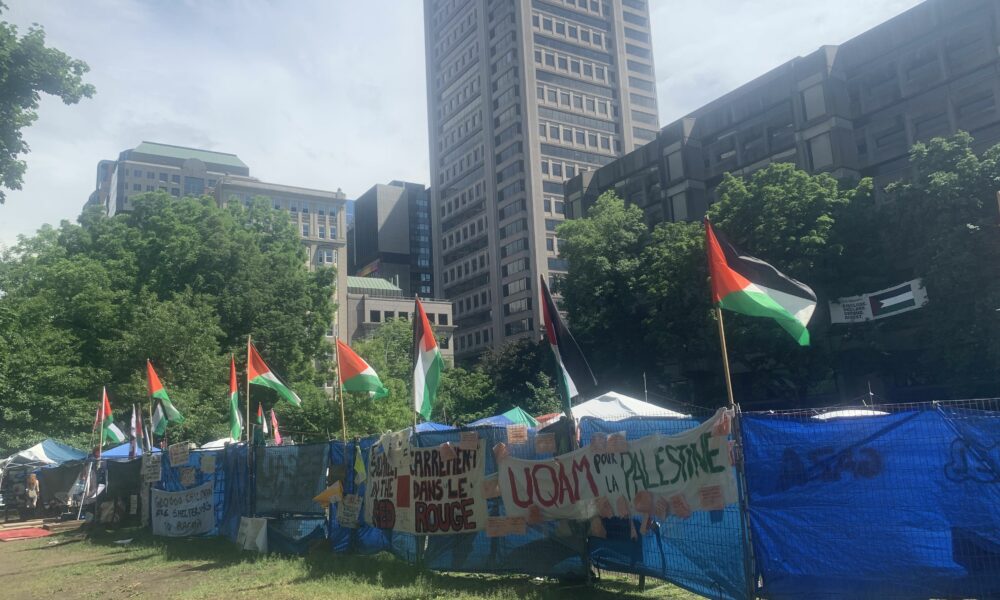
(179, 514)
(208, 464)
(151, 467)
(188, 476)
(179, 453)
(427, 491)
(654, 475)
(252, 534)
(879, 305)
(348, 511)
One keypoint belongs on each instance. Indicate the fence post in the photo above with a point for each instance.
(749, 566)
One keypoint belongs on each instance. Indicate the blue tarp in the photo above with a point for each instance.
(432, 426)
(904, 505)
(123, 451)
(494, 421)
(45, 453)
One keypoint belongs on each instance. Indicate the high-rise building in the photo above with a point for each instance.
(523, 95)
(177, 170)
(852, 110)
(391, 237)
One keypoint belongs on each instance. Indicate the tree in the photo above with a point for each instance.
(388, 351)
(30, 68)
(600, 292)
(182, 282)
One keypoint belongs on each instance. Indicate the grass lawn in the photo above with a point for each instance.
(67, 566)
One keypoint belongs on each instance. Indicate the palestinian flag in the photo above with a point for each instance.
(574, 372)
(274, 427)
(109, 431)
(260, 374)
(136, 434)
(165, 411)
(356, 375)
(750, 286)
(260, 429)
(235, 417)
(427, 363)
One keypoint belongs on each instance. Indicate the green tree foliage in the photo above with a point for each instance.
(388, 350)
(30, 68)
(180, 282)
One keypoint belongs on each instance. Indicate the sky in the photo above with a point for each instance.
(332, 94)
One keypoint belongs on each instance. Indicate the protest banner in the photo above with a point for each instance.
(151, 467)
(179, 514)
(690, 471)
(425, 492)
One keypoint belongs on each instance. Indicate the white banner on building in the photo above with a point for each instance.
(179, 514)
(654, 475)
(879, 305)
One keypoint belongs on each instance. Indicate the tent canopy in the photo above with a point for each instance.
(43, 454)
(123, 451)
(218, 444)
(613, 406)
(514, 416)
(432, 426)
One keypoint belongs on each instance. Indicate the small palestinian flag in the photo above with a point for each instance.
(750, 286)
(235, 417)
(260, 374)
(427, 363)
(574, 372)
(356, 375)
(165, 411)
(109, 431)
(260, 429)
(136, 434)
(274, 427)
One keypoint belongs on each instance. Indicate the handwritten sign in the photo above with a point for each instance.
(179, 514)
(468, 440)
(179, 453)
(208, 464)
(545, 443)
(517, 434)
(188, 476)
(347, 513)
(427, 492)
(151, 467)
(692, 471)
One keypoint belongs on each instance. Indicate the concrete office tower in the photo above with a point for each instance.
(852, 110)
(177, 170)
(391, 237)
(523, 95)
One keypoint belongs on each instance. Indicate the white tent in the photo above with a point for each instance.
(613, 406)
(218, 444)
(849, 413)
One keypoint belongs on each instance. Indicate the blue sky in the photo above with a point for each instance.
(331, 94)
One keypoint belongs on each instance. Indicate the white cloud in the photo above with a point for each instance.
(331, 94)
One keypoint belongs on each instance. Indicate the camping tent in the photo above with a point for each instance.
(43, 454)
(849, 413)
(432, 426)
(613, 406)
(123, 451)
(514, 416)
(218, 444)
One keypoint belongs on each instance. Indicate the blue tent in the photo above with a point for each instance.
(123, 451)
(44, 454)
(494, 421)
(432, 426)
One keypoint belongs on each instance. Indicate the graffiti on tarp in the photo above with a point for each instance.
(828, 464)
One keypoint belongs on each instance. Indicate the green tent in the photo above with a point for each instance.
(516, 415)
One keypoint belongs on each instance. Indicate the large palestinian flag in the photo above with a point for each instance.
(258, 373)
(235, 417)
(574, 372)
(750, 286)
(356, 375)
(427, 363)
(165, 411)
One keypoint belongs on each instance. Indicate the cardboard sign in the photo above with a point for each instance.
(179, 453)
(188, 476)
(692, 470)
(152, 467)
(425, 491)
(180, 514)
(208, 464)
(545, 443)
(468, 440)
(517, 434)
(348, 511)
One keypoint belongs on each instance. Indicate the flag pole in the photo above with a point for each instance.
(340, 386)
(248, 396)
(725, 356)
(152, 440)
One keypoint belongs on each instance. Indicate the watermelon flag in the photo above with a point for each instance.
(747, 285)
(356, 375)
(136, 435)
(109, 431)
(235, 418)
(260, 374)
(574, 372)
(427, 363)
(165, 411)
(274, 426)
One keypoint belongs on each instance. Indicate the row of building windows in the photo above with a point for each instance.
(137, 187)
(460, 235)
(568, 30)
(555, 96)
(472, 340)
(458, 130)
(326, 256)
(472, 158)
(321, 231)
(519, 326)
(571, 64)
(448, 106)
(470, 194)
(466, 269)
(459, 65)
(574, 136)
(446, 42)
(471, 303)
(377, 316)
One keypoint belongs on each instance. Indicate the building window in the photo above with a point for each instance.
(820, 152)
(813, 102)
(136, 187)
(443, 319)
(176, 192)
(175, 179)
(150, 175)
(322, 232)
(305, 230)
(163, 177)
(374, 316)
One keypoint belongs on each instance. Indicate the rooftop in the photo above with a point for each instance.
(366, 285)
(182, 152)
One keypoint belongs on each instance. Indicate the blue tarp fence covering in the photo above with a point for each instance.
(904, 504)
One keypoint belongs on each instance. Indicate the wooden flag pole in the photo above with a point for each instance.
(340, 387)
(149, 397)
(725, 356)
(249, 422)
